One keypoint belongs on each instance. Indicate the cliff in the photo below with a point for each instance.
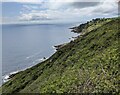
(89, 64)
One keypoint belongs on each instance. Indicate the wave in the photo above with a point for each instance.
(40, 60)
(31, 56)
(54, 48)
(6, 78)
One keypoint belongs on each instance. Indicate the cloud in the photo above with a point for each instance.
(84, 4)
(39, 1)
(65, 10)
(35, 15)
(24, 1)
(107, 7)
(68, 10)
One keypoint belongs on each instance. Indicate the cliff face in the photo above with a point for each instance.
(89, 64)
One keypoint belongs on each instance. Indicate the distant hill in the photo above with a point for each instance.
(89, 64)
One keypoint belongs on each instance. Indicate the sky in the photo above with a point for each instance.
(56, 11)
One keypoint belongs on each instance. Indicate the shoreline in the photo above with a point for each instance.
(7, 77)
(57, 47)
(10, 75)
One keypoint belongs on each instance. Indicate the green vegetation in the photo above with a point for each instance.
(90, 25)
(89, 64)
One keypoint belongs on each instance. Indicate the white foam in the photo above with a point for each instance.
(14, 72)
(39, 60)
(6, 78)
(31, 56)
(27, 57)
(54, 49)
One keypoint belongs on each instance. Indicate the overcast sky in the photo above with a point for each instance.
(56, 11)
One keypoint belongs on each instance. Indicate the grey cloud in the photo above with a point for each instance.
(84, 4)
(34, 18)
(110, 10)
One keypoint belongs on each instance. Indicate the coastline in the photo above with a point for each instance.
(73, 29)
(57, 47)
(7, 77)
(77, 63)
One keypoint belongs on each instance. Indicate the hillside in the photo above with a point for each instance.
(89, 64)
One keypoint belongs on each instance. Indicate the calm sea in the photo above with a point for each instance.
(25, 45)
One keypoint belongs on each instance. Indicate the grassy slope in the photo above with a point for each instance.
(88, 64)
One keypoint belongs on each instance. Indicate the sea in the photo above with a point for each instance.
(24, 46)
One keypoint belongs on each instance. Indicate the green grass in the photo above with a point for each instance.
(89, 64)
(91, 25)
